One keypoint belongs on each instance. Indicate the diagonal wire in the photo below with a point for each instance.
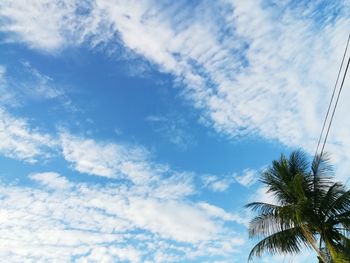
(335, 106)
(331, 101)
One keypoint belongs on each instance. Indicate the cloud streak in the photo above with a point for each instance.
(19, 140)
(85, 222)
(231, 63)
(173, 129)
(247, 67)
(143, 215)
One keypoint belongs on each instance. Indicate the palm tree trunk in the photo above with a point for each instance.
(320, 260)
(309, 237)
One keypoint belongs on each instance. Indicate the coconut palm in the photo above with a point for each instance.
(310, 210)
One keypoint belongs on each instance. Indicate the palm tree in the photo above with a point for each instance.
(311, 210)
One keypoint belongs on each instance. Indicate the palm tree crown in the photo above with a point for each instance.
(311, 210)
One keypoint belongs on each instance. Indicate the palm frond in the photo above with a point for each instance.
(341, 203)
(262, 207)
(286, 241)
(330, 197)
(310, 206)
(268, 224)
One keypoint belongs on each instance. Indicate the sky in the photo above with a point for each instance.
(135, 131)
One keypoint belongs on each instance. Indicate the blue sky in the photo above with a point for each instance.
(135, 131)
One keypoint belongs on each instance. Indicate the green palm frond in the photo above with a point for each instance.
(287, 241)
(330, 197)
(268, 224)
(341, 201)
(310, 207)
(263, 208)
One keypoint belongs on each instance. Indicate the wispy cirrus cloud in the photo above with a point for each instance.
(122, 161)
(173, 129)
(249, 68)
(51, 180)
(25, 23)
(86, 222)
(142, 216)
(36, 85)
(21, 141)
(247, 178)
(129, 163)
(22, 84)
(109, 159)
(231, 64)
(216, 183)
(7, 96)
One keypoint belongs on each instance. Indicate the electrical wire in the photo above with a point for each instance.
(331, 102)
(335, 106)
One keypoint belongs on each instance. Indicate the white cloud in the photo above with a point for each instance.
(221, 183)
(90, 157)
(130, 163)
(91, 222)
(171, 219)
(218, 212)
(216, 183)
(233, 57)
(7, 96)
(247, 178)
(175, 186)
(51, 179)
(109, 159)
(40, 24)
(19, 140)
(233, 68)
(24, 84)
(250, 68)
(295, 62)
(37, 85)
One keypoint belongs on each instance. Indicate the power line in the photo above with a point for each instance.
(335, 106)
(331, 101)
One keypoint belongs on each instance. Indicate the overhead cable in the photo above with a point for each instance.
(331, 102)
